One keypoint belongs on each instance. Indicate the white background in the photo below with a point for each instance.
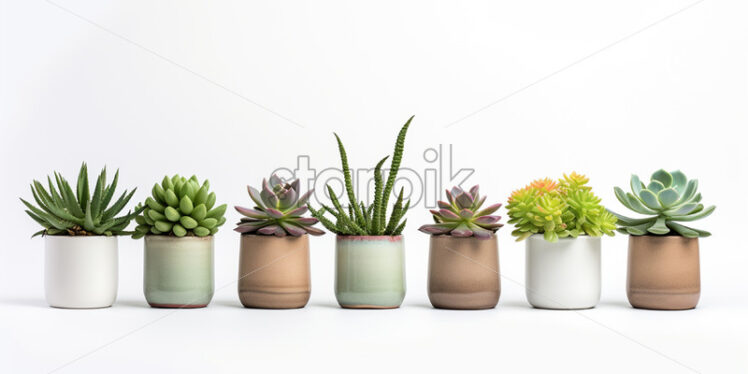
(232, 90)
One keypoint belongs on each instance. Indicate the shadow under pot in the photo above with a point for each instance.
(80, 272)
(274, 271)
(463, 272)
(178, 271)
(369, 271)
(564, 274)
(663, 272)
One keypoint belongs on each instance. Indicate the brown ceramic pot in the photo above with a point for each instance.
(663, 272)
(463, 272)
(274, 271)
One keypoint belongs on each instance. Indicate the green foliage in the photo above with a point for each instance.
(180, 207)
(62, 212)
(558, 210)
(461, 216)
(278, 210)
(669, 198)
(357, 218)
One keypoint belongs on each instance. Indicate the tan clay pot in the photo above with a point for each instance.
(663, 272)
(463, 272)
(274, 271)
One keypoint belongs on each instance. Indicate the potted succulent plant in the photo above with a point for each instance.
(274, 256)
(663, 257)
(369, 250)
(562, 223)
(178, 222)
(80, 232)
(464, 252)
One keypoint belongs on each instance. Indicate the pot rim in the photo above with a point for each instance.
(172, 237)
(433, 236)
(389, 238)
(580, 237)
(66, 237)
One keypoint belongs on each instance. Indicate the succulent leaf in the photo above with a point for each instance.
(677, 201)
(60, 211)
(563, 209)
(278, 211)
(371, 220)
(177, 206)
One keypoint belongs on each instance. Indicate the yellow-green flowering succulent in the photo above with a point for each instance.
(566, 208)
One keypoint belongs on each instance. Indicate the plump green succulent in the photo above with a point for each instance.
(180, 207)
(62, 212)
(461, 215)
(278, 211)
(668, 199)
(559, 210)
(358, 218)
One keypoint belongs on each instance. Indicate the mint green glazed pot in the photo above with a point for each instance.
(369, 271)
(178, 271)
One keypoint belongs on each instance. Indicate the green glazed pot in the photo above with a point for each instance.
(178, 271)
(369, 271)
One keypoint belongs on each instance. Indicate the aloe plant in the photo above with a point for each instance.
(180, 207)
(278, 211)
(668, 199)
(566, 208)
(461, 215)
(357, 218)
(60, 211)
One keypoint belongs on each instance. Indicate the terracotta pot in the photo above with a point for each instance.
(663, 272)
(369, 271)
(178, 272)
(80, 271)
(564, 274)
(463, 272)
(274, 271)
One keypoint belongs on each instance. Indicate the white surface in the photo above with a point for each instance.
(80, 272)
(564, 274)
(603, 88)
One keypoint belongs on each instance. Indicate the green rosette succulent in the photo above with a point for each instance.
(180, 207)
(566, 208)
(668, 199)
(461, 215)
(279, 210)
(60, 211)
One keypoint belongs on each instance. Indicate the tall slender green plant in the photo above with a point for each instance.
(358, 218)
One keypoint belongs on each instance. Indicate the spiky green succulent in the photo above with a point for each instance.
(180, 207)
(559, 210)
(358, 218)
(62, 212)
(278, 211)
(461, 215)
(668, 199)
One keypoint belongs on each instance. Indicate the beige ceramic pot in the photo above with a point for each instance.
(274, 271)
(663, 272)
(463, 272)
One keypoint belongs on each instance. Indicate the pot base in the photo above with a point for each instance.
(553, 308)
(464, 301)
(274, 300)
(81, 307)
(178, 306)
(663, 301)
(364, 306)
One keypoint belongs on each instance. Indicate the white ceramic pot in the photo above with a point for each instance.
(564, 274)
(80, 271)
